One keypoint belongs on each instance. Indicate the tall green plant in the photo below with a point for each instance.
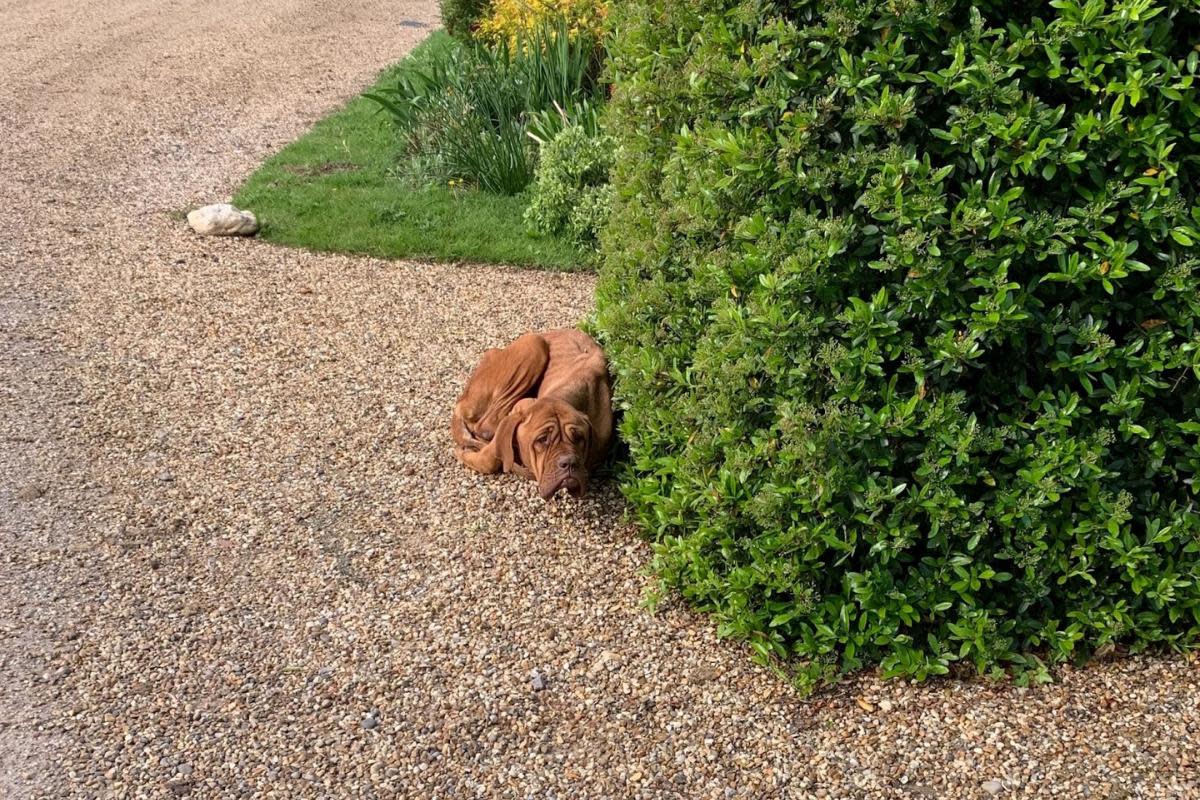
(903, 302)
(558, 67)
(465, 114)
(543, 126)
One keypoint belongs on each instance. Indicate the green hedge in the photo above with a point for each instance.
(461, 16)
(902, 302)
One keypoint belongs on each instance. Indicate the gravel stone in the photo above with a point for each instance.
(30, 492)
(301, 402)
(993, 787)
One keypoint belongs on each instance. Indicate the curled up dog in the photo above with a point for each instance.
(540, 408)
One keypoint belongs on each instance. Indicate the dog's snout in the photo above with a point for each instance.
(567, 461)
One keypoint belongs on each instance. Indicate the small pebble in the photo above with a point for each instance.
(31, 492)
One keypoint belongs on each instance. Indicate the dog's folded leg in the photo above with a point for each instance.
(502, 379)
(484, 460)
(501, 454)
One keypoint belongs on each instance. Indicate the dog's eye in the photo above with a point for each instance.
(577, 436)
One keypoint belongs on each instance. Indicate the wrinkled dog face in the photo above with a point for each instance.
(553, 441)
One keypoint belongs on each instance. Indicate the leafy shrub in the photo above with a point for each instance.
(460, 17)
(902, 299)
(463, 114)
(571, 193)
(512, 21)
(590, 214)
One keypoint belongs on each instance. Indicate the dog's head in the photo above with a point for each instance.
(549, 441)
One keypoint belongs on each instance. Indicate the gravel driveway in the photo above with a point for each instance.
(237, 557)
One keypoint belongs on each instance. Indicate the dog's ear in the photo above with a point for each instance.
(595, 447)
(507, 447)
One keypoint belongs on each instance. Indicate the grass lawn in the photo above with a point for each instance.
(336, 189)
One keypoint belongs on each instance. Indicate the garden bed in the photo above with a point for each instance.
(341, 188)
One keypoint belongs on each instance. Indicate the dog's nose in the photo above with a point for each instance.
(567, 461)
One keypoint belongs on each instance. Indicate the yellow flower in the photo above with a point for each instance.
(510, 20)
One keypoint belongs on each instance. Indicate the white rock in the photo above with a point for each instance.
(222, 219)
(993, 787)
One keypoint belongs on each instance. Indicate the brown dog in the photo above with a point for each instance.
(540, 408)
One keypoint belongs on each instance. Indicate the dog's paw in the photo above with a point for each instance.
(465, 453)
